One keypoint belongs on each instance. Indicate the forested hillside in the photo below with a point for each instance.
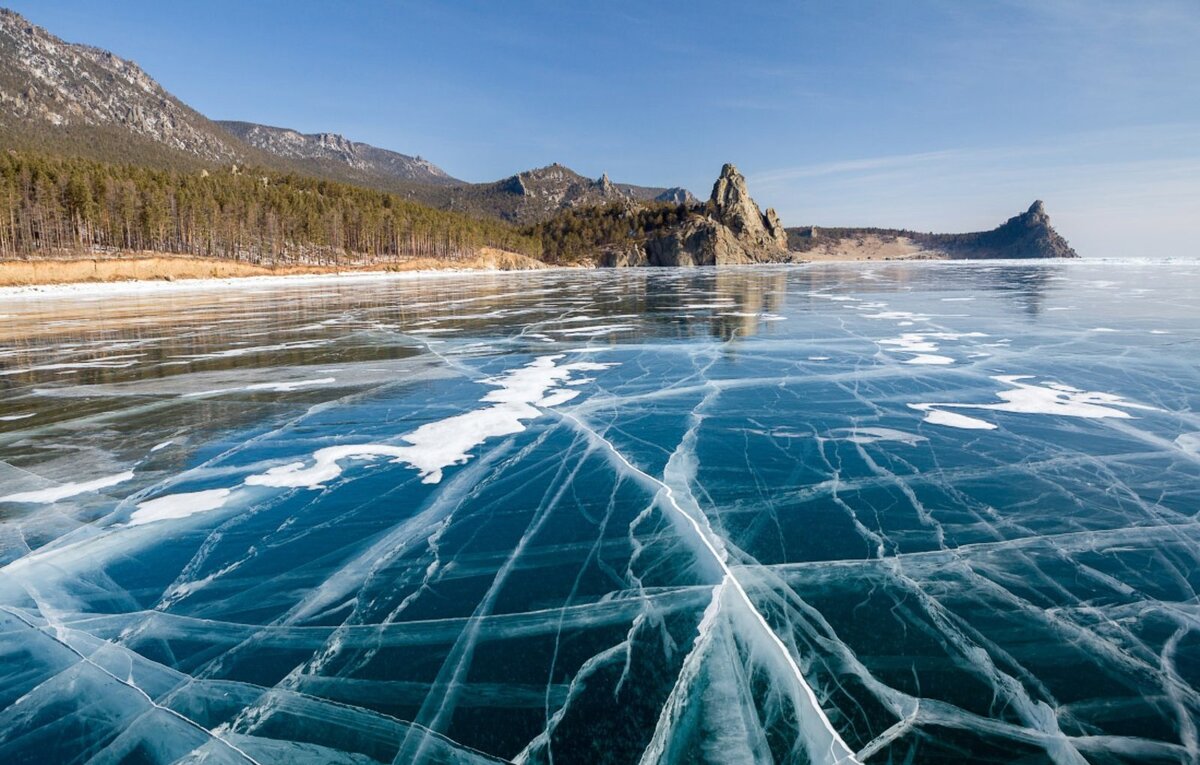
(581, 234)
(61, 206)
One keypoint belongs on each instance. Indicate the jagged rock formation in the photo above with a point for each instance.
(733, 207)
(362, 157)
(675, 196)
(731, 230)
(1028, 235)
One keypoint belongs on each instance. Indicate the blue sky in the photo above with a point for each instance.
(931, 115)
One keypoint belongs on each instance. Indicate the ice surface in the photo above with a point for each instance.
(644, 516)
(275, 387)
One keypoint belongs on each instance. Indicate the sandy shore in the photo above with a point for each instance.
(867, 248)
(154, 272)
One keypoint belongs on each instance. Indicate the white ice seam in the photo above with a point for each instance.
(839, 752)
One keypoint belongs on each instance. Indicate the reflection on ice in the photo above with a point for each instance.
(645, 517)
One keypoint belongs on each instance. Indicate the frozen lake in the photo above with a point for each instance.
(878, 513)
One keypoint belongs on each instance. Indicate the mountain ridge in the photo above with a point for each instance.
(292, 144)
(74, 98)
(61, 98)
(73, 94)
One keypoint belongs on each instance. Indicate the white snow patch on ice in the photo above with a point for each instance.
(754, 314)
(897, 316)
(285, 387)
(1028, 398)
(235, 352)
(929, 359)
(277, 387)
(66, 490)
(952, 419)
(1189, 442)
(874, 435)
(910, 342)
(174, 506)
(440, 444)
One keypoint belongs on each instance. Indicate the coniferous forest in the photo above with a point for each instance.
(62, 206)
(578, 234)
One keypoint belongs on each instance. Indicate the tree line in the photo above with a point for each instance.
(52, 205)
(579, 234)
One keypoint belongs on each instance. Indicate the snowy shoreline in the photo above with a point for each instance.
(155, 286)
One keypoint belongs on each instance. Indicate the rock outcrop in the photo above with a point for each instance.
(733, 207)
(1028, 235)
(1024, 236)
(729, 230)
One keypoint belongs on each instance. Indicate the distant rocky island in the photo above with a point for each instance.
(101, 162)
(1028, 235)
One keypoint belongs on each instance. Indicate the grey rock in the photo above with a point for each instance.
(731, 231)
(362, 157)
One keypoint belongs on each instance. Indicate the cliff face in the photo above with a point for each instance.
(730, 231)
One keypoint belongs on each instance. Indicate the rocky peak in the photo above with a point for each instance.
(676, 196)
(371, 161)
(732, 232)
(606, 187)
(1028, 235)
(731, 200)
(732, 206)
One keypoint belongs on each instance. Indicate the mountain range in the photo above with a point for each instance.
(66, 99)
(62, 97)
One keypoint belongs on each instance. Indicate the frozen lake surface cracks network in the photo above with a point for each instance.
(876, 513)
